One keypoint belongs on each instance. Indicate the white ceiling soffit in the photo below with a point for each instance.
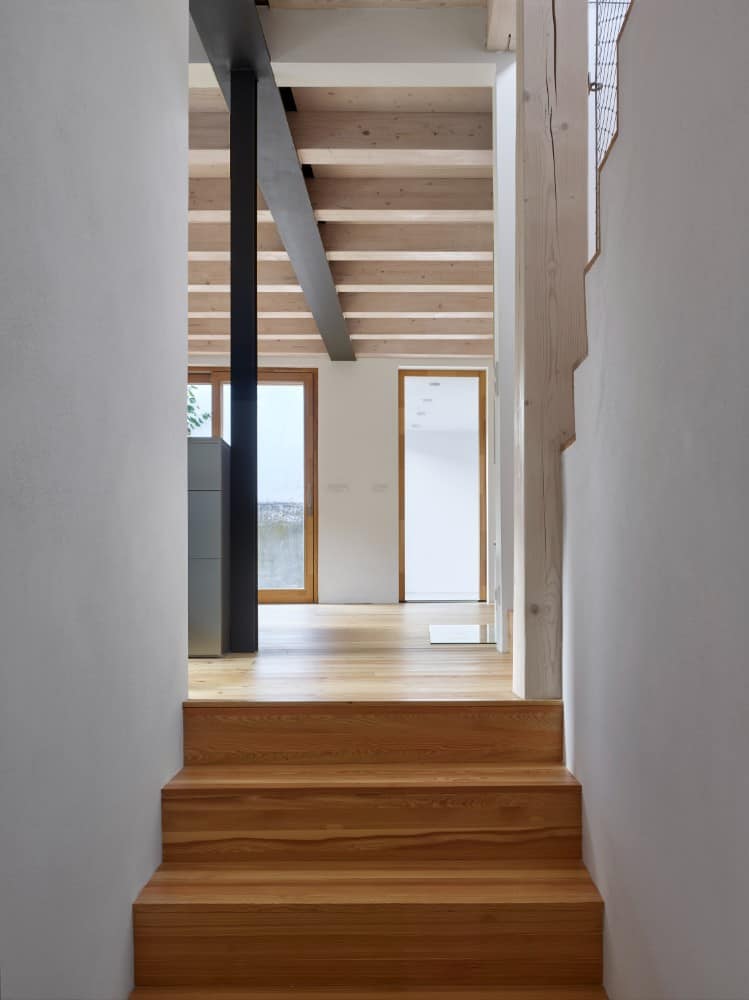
(381, 47)
(372, 47)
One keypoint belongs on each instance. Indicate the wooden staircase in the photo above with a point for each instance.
(370, 851)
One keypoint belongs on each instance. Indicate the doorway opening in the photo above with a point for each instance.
(442, 485)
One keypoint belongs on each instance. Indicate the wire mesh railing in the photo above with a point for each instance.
(607, 18)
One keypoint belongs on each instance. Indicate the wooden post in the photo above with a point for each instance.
(550, 313)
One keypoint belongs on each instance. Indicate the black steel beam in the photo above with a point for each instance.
(243, 600)
(232, 36)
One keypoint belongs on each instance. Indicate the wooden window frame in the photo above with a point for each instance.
(480, 374)
(214, 377)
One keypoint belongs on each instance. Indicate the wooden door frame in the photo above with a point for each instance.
(480, 374)
(216, 378)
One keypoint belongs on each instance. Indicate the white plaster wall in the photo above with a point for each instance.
(358, 473)
(93, 187)
(657, 540)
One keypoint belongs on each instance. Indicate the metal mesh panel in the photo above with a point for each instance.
(609, 16)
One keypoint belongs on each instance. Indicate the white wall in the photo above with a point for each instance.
(93, 241)
(358, 473)
(657, 537)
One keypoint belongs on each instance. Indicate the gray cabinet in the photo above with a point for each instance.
(208, 546)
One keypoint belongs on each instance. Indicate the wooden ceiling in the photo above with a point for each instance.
(401, 185)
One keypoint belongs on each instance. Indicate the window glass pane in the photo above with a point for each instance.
(199, 410)
(226, 411)
(280, 471)
(280, 414)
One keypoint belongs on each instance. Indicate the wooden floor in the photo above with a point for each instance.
(358, 653)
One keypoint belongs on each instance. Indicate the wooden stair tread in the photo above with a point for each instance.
(224, 777)
(219, 885)
(512, 993)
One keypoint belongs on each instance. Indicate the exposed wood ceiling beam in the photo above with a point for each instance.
(232, 37)
(358, 242)
(364, 200)
(378, 137)
(403, 242)
(457, 305)
(357, 276)
(351, 137)
(219, 326)
(392, 100)
(386, 348)
(501, 18)
(413, 276)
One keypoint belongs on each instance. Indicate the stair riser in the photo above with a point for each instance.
(372, 825)
(510, 993)
(368, 946)
(378, 732)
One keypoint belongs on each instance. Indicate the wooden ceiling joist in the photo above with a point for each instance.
(356, 276)
(388, 327)
(429, 241)
(398, 139)
(501, 31)
(393, 100)
(458, 305)
(352, 137)
(360, 242)
(363, 200)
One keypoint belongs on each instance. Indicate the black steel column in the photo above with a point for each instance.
(243, 491)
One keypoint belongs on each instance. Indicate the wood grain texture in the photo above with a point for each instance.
(368, 927)
(462, 305)
(368, 137)
(551, 340)
(389, 99)
(436, 277)
(501, 993)
(328, 652)
(359, 814)
(501, 25)
(366, 199)
(372, 732)
(430, 327)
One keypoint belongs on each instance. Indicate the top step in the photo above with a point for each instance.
(338, 732)
(509, 993)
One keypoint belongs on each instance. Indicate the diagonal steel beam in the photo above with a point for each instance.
(232, 37)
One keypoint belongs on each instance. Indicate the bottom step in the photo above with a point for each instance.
(560, 993)
(384, 928)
